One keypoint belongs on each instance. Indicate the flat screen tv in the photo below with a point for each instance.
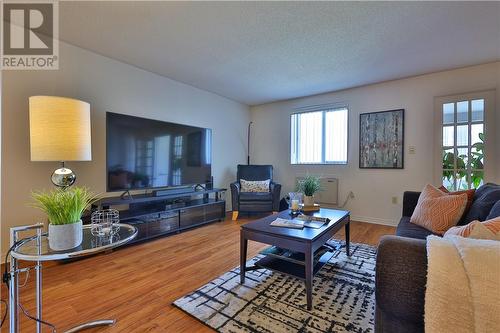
(144, 153)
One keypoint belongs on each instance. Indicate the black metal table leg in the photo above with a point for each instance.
(309, 276)
(243, 255)
(347, 236)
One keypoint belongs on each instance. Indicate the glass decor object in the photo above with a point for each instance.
(295, 201)
(105, 222)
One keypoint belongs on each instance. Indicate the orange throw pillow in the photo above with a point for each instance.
(489, 229)
(437, 211)
(470, 195)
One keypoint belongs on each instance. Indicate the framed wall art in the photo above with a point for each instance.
(381, 140)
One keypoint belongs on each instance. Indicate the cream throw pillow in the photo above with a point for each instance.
(437, 211)
(255, 185)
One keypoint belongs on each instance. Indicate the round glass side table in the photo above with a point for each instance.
(36, 249)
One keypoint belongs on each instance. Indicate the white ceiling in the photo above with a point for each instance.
(258, 52)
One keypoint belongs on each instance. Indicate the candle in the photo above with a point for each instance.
(295, 205)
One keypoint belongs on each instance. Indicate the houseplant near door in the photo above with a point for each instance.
(64, 209)
(309, 186)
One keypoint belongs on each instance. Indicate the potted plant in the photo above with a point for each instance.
(64, 209)
(309, 186)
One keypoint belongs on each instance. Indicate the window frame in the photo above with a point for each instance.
(488, 129)
(319, 108)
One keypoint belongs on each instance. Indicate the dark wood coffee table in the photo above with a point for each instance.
(306, 241)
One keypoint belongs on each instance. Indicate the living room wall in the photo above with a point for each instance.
(374, 189)
(108, 85)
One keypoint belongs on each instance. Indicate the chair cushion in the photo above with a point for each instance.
(407, 229)
(254, 172)
(438, 211)
(256, 196)
(484, 199)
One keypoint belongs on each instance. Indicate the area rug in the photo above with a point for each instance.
(343, 298)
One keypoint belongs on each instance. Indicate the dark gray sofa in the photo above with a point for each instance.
(401, 270)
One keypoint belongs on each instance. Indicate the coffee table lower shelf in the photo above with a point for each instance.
(289, 268)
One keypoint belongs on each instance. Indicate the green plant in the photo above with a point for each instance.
(309, 185)
(64, 206)
(476, 166)
(477, 173)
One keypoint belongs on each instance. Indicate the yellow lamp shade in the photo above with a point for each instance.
(59, 129)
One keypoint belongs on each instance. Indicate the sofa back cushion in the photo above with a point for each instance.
(437, 211)
(494, 212)
(484, 199)
(470, 199)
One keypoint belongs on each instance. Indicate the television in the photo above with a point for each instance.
(146, 154)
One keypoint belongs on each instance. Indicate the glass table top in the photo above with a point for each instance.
(30, 251)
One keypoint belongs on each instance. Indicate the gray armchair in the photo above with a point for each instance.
(255, 201)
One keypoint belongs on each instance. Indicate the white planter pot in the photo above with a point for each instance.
(65, 236)
(308, 200)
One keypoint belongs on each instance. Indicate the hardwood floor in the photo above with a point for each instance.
(137, 284)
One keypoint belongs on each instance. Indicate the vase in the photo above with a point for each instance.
(308, 200)
(65, 236)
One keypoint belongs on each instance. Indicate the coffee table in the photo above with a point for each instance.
(307, 241)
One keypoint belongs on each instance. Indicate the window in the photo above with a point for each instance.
(463, 143)
(319, 137)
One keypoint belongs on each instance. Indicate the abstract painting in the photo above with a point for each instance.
(381, 140)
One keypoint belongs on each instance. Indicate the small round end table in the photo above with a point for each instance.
(36, 249)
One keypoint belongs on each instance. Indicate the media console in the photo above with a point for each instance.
(162, 215)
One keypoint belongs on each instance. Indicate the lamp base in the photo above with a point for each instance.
(63, 177)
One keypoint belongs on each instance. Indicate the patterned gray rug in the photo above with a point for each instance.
(343, 297)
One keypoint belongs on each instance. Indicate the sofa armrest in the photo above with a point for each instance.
(235, 195)
(276, 191)
(410, 200)
(400, 278)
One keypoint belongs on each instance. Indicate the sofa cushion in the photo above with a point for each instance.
(438, 211)
(484, 199)
(470, 197)
(256, 196)
(407, 229)
(494, 212)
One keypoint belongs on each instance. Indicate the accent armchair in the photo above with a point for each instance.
(253, 202)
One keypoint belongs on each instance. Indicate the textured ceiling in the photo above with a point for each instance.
(258, 52)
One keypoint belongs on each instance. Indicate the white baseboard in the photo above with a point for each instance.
(375, 220)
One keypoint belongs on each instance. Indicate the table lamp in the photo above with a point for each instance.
(60, 131)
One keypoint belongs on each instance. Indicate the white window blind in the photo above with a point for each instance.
(319, 137)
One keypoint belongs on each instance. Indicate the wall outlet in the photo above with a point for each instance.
(395, 200)
(411, 149)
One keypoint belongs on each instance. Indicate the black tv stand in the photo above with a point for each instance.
(155, 216)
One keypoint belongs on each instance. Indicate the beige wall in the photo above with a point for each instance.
(108, 85)
(374, 189)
